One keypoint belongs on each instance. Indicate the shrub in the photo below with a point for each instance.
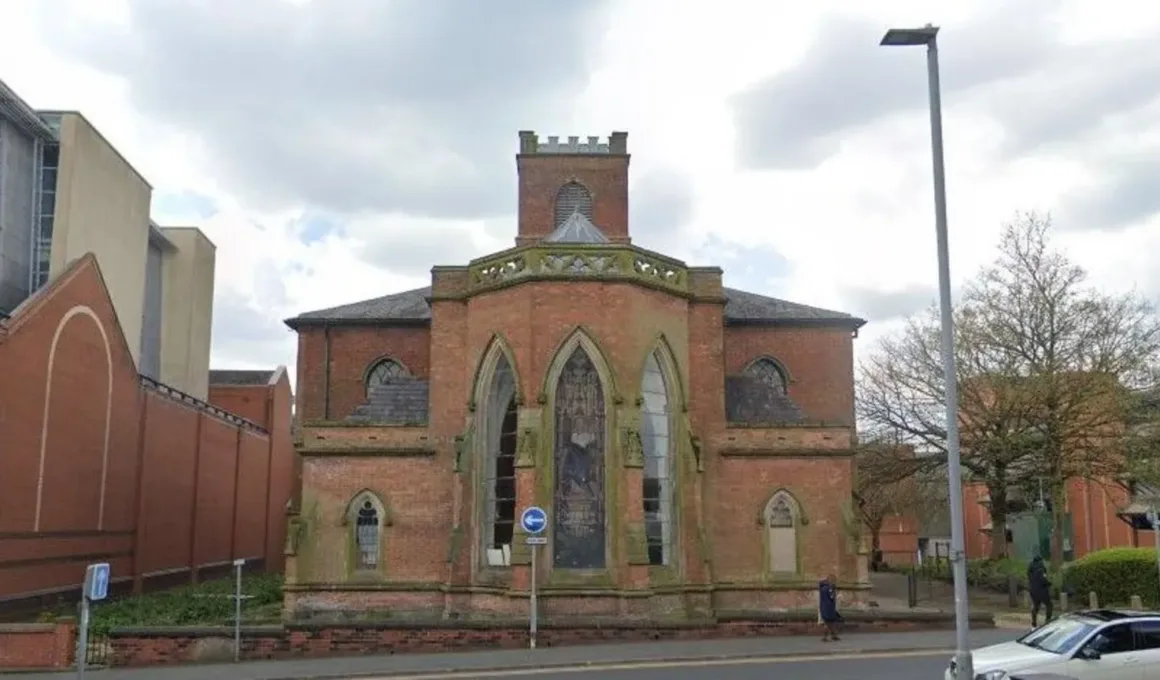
(984, 574)
(1115, 575)
(201, 604)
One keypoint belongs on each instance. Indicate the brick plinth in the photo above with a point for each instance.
(28, 646)
(145, 647)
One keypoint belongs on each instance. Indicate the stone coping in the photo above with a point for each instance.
(27, 627)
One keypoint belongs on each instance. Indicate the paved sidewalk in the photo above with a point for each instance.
(347, 667)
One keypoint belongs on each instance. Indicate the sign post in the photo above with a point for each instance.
(95, 589)
(1154, 520)
(238, 564)
(534, 520)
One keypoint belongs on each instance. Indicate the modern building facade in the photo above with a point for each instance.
(64, 192)
(691, 443)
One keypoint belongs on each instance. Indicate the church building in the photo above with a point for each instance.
(690, 443)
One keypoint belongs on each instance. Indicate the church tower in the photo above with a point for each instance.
(558, 179)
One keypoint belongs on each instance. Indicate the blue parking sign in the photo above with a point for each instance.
(97, 581)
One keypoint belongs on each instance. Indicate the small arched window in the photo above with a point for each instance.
(367, 532)
(384, 371)
(572, 197)
(781, 523)
(769, 372)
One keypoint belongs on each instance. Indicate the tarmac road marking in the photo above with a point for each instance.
(596, 666)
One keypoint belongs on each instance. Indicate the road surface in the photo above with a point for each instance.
(862, 656)
(880, 666)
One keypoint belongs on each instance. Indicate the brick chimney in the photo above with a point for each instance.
(557, 178)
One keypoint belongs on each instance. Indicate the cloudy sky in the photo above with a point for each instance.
(335, 149)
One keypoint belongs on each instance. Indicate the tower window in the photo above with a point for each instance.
(572, 197)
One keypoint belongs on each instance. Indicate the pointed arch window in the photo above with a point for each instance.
(769, 372)
(572, 197)
(657, 444)
(368, 521)
(384, 371)
(578, 540)
(781, 523)
(501, 417)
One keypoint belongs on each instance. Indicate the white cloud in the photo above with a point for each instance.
(855, 226)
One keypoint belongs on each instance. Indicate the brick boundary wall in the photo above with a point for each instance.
(158, 646)
(28, 646)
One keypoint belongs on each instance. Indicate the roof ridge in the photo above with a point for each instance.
(577, 229)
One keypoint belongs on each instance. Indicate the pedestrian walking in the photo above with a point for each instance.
(828, 614)
(1039, 587)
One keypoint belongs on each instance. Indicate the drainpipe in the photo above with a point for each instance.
(326, 371)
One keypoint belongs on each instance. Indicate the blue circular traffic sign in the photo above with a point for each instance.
(534, 520)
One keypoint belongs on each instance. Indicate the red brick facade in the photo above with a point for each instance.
(530, 308)
(101, 466)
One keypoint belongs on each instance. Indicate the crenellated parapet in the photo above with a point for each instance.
(616, 144)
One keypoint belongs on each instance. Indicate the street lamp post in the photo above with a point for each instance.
(927, 35)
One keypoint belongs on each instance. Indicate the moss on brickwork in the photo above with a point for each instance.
(307, 546)
(454, 544)
(637, 540)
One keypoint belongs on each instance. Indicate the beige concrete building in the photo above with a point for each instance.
(66, 191)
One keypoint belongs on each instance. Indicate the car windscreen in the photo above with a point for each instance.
(1059, 636)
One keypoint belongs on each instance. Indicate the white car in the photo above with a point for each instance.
(1089, 645)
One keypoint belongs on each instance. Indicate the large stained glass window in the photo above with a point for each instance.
(579, 537)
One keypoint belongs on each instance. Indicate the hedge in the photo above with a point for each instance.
(990, 575)
(1115, 575)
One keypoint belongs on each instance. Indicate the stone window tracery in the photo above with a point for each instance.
(781, 523)
(366, 517)
(657, 443)
(500, 427)
(578, 540)
(572, 197)
(769, 372)
(383, 371)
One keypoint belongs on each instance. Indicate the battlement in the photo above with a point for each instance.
(616, 144)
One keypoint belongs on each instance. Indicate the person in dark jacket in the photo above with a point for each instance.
(1039, 587)
(828, 614)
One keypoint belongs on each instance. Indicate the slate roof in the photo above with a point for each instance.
(410, 307)
(228, 377)
(577, 229)
(402, 401)
(750, 400)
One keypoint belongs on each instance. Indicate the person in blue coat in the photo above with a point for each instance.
(828, 608)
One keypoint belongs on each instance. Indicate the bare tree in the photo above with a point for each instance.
(901, 393)
(1046, 367)
(1071, 353)
(880, 494)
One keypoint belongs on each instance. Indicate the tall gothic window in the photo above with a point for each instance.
(573, 197)
(578, 541)
(781, 522)
(658, 463)
(384, 371)
(500, 430)
(769, 372)
(366, 535)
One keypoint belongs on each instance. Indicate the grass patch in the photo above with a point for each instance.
(204, 604)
